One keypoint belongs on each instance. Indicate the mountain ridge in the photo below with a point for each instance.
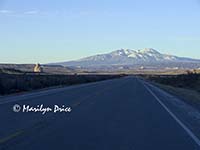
(129, 57)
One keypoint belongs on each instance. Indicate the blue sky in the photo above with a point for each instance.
(50, 31)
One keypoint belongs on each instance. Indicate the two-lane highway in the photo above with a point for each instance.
(118, 114)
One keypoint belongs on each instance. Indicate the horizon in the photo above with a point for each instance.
(100, 54)
(48, 31)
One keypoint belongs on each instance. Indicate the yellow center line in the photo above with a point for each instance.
(93, 94)
(20, 132)
(5, 139)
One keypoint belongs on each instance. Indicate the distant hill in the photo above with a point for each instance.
(27, 68)
(133, 59)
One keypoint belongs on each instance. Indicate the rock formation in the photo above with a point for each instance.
(38, 68)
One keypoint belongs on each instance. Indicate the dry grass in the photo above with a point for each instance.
(191, 97)
(184, 86)
(17, 83)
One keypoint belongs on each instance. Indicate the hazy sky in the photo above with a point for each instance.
(58, 30)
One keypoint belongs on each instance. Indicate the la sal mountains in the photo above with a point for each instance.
(147, 58)
(122, 59)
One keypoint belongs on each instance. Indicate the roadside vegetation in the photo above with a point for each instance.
(16, 83)
(185, 86)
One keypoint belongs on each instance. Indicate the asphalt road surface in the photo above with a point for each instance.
(118, 114)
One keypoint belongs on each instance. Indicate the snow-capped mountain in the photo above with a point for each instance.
(131, 56)
(128, 57)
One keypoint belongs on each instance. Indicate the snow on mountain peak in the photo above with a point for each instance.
(122, 52)
(127, 57)
(148, 50)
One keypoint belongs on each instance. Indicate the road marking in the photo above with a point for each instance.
(189, 132)
(20, 132)
(35, 94)
(39, 94)
(96, 94)
(39, 125)
(5, 139)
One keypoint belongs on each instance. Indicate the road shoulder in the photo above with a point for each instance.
(187, 114)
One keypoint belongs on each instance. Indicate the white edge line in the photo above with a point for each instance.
(35, 94)
(189, 132)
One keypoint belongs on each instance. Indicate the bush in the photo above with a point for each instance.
(12, 83)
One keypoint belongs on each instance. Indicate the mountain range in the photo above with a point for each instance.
(131, 59)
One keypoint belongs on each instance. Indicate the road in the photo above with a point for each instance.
(118, 114)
